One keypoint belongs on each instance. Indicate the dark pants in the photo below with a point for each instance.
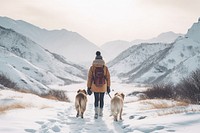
(99, 97)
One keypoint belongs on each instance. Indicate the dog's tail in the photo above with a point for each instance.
(82, 105)
(116, 106)
(79, 105)
(114, 110)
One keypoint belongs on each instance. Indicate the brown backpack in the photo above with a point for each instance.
(98, 76)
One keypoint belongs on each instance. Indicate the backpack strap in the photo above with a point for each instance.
(105, 72)
(93, 74)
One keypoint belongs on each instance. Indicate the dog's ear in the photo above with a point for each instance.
(116, 93)
(122, 94)
(84, 91)
(78, 91)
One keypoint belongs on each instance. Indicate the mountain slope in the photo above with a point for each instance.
(133, 58)
(63, 42)
(31, 66)
(114, 48)
(166, 37)
(193, 33)
(168, 64)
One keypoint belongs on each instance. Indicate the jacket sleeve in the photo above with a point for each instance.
(108, 77)
(89, 80)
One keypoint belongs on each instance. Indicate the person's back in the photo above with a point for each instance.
(98, 82)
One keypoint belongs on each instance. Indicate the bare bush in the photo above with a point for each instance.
(160, 91)
(189, 88)
(7, 82)
(56, 95)
(52, 94)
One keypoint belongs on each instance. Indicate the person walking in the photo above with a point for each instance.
(98, 82)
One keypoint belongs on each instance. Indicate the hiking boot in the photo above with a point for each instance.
(101, 112)
(96, 113)
(95, 116)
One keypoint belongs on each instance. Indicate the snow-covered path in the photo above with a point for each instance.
(40, 115)
(66, 120)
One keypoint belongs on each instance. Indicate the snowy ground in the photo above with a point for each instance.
(38, 115)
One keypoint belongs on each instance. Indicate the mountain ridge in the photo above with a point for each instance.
(118, 46)
(32, 67)
(63, 42)
(168, 64)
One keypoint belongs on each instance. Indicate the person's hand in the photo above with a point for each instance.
(89, 91)
(108, 89)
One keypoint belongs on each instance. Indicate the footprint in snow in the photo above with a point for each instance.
(55, 128)
(125, 126)
(52, 120)
(39, 122)
(171, 130)
(142, 117)
(131, 117)
(139, 117)
(30, 130)
(152, 129)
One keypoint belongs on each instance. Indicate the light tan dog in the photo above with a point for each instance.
(81, 102)
(117, 103)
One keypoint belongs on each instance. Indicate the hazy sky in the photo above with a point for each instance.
(106, 20)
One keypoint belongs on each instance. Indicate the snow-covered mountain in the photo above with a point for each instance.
(131, 60)
(114, 48)
(152, 63)
(194, 32)
(166, 37)
(32, 67)
(71, 45)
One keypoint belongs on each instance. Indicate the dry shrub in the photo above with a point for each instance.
(52, 94)
(163, 105)
(177, 111)
(3, 109)
(189, 88)
(165, 108)
(142, 96)
(56, 95)
(163, 91)
(7, 82)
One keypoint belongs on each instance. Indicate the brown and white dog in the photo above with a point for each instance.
(117, 103)
(81, 102)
